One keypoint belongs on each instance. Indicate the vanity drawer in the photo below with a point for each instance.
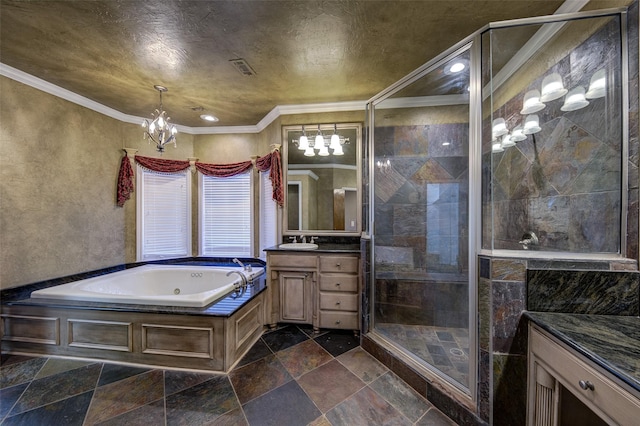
(292, 261)
(606, 398)
(339, 282)
(344, 320)
(346, 264)
(339, 302)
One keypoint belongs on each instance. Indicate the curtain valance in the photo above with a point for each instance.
(268, 162)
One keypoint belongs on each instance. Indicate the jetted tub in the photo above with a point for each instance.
(168, 285)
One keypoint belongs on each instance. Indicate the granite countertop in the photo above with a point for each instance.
(322, 248)
(611, 342)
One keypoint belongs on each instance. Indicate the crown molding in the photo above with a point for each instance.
(52, 89)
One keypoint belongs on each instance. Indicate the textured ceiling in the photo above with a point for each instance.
(303, 51)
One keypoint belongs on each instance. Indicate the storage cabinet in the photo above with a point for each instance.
(554, 368)
(320, 289)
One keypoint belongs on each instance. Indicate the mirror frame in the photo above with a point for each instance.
(285, 171)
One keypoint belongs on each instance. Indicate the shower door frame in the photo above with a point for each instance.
(471, 44)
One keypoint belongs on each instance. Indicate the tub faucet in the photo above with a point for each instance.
(244, 267)
(242, 286)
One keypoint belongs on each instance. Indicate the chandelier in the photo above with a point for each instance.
(321, 143)
(159, 130)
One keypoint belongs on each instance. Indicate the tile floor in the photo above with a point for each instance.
(445, 348)
(289, 377)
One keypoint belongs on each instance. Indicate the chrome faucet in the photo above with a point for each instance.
(244, 267)
(242, 277)
(528, 239)
(303, 239)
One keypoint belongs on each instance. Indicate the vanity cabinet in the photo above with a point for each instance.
(555, 369)
(320, 289)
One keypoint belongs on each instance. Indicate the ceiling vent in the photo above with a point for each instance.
(242, 66)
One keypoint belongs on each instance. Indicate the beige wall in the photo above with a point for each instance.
(58, 174)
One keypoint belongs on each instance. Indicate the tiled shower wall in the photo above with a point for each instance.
(421, 216)
(563, 183)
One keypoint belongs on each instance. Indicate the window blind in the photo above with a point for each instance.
(225, 219)
(164, 219)
(268, 215)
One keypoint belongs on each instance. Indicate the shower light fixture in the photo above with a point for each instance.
(159, 130)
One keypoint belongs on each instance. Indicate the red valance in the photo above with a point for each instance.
(125, 181)
(223, 170)
(161, 165)
(268, 162)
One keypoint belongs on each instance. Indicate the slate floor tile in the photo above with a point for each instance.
(363, 365)
(303, 357)
(338, 342)
(9, 396)
(115, 372)
(286, 405)
(14, 373)
(258, 351)
(330, 384)
(258, 378)
(366, 408)
(401, 396)
(202, 403)
(69, 412)
(150, 414)
(284, 337)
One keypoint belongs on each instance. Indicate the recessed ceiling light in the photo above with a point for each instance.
(456, 66)
(209, 117)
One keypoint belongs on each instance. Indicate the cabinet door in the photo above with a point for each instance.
(295, 297)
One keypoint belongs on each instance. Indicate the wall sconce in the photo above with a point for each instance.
(499, 128)
(383, 165)
(575, 100)
(531, 125)
(597, 85)
(532, 102)
(552, 88)
(517, 135)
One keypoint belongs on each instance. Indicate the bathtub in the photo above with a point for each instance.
(165, 285)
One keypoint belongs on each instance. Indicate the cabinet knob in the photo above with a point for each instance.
(338, 265)
(337, 284)
(586, 385)
(337, 303)
(338, 322)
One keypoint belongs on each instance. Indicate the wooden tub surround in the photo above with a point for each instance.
(210, 338)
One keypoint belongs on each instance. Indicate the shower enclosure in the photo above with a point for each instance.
(421, 214)
(512, 143)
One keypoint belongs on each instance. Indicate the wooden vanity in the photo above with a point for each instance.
(586, 362)
(319, 288)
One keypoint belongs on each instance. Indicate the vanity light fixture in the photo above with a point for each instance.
(517, 135)
(496, 146)
(335, 139)
(320, 145)
(597, 85)
(575, 100)
(159, 130)
(303, 143)
(499, 128)
(531, 102)
(507, 141)
(552, 87)
(531, 125)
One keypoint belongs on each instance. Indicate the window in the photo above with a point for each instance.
(226, 215)
(163, 214)
(268, 215)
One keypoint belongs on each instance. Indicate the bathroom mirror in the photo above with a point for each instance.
(322, 179)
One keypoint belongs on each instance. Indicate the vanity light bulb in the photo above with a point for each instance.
(304, 142)
(338, 150)
(319, 142)
(335, 141)
(324, 150)
(309, 152)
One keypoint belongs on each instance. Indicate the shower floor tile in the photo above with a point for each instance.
(445, 348)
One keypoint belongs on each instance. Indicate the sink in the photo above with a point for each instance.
(298, 246)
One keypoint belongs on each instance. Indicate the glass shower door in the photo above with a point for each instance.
(421, 219)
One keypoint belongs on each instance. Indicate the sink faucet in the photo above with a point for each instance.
(244, 267)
